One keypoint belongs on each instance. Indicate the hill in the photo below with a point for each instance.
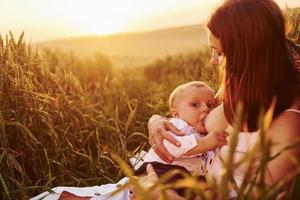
(135, 48)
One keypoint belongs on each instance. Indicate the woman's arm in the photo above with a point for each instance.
(158, 128)
(284, 132)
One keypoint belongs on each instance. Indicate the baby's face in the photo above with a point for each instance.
(193, 105)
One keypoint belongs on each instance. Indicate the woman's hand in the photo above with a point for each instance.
(156, 194)
(158, 131)
(146, 182)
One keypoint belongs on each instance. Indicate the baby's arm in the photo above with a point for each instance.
(210, 142)
(190, 145)
(187, 142)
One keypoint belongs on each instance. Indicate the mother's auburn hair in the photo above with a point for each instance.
(257, 68)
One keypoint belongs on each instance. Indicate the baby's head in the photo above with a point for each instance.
(191, 102)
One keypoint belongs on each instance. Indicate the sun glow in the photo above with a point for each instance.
(45, 19)
(99, 17)
(106, 17)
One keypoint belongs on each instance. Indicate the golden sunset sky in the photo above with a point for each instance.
(52, 19)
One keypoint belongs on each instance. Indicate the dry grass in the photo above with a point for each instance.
(61, 118)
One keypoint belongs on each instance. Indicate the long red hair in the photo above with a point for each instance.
(257, 68)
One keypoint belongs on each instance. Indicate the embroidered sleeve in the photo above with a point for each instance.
(187, 142)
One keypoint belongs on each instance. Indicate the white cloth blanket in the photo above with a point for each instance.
(95, 192)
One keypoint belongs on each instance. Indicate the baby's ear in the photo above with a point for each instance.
(174, 113)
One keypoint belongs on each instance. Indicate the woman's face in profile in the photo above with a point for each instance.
(217, 55)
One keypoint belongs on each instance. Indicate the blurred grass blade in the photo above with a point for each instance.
(123, 165)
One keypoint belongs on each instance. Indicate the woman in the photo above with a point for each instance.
(248, 40)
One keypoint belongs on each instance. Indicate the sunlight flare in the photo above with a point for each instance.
(98, 17)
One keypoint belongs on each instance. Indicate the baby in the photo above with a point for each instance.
(189, 105)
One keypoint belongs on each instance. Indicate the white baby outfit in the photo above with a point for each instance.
(194, 164)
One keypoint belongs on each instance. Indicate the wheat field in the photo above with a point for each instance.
(62, 118)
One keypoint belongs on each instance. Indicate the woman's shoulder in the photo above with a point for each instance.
(286, 127)
(288, 123)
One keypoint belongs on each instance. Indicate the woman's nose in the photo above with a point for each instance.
(214, 59)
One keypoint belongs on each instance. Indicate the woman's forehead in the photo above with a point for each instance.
(213, 41)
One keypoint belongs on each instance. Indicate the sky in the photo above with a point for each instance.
(52, 19)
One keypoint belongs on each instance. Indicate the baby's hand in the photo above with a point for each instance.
(215, 139)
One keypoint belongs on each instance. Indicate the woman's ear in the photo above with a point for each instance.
(174, 113)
